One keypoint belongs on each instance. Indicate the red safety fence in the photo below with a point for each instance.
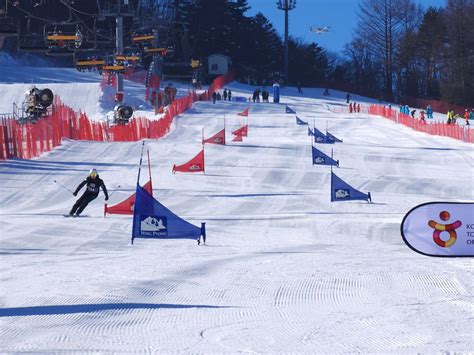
(29, 140)
(438, 106)
(455, 131)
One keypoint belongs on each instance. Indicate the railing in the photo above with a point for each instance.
(29, 140)
(455, 131)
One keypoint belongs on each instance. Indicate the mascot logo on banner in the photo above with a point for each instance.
(153, 226)
(453, 236)
(439, 228)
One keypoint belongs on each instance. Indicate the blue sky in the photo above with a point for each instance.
(339, 15)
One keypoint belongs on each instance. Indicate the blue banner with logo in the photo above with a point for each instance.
(342, 191)
(310, 132)
(319, 158)
(440, 229)
(289, 110)
(153, 220)
(300, 122)
(320, 137)
(332, 138)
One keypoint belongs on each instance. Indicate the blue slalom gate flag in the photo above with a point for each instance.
(332, 138)
(153, 220)
(300, 122)
(288, 109)
(319, 158)
(320, 137)
(310, 132)
(342, 191)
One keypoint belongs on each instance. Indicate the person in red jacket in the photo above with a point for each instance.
(466, 117)
(350, 107)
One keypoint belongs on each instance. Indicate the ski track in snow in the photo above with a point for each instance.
(284, 271)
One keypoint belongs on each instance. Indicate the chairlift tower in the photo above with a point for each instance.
(119, 11)
(286, 5)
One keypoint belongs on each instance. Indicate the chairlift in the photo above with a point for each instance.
(142, 37)
(8, 26)
(63, 36)
(113, 69)
(163, 51)
(89, 64)
(31, 42)
(127, 59)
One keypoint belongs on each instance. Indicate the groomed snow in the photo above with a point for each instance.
(284, 270)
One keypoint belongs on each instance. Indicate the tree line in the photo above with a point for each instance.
(398, 49)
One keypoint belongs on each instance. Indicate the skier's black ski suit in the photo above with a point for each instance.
(91, 193)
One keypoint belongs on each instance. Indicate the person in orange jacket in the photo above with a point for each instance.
(466, 117)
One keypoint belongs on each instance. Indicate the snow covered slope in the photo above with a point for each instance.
(285, 270)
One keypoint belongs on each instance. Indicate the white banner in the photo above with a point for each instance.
(440, 229)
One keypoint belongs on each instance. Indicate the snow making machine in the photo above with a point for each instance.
(122, 114)
(38, 103)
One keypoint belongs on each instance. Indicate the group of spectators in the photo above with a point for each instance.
(256, 95)
(354, 107)
(451, 115)
(226, 95)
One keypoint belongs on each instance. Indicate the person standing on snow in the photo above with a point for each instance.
(466, 117)
(224, 95)
(429, 111)
(348, 97)
(94, 184)
(229, 94)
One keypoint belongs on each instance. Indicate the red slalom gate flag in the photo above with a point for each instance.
(126, 206)
(195, 165)
(237, 138)
(242, 131)
(218, 138)
(244, 112)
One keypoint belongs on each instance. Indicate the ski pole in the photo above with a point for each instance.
(64, 187)
(118, 187)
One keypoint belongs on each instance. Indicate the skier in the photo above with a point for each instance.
(94, 183)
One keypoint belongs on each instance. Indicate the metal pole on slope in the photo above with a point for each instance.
(119, 43)
(64, 187)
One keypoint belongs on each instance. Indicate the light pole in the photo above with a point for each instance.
(286, 5)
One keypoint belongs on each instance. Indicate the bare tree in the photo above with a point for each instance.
(380, 28)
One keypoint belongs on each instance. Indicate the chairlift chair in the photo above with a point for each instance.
(8, 26)
(31, 42)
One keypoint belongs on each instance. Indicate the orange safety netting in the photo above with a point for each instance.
(455, 131)
(29, 140)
